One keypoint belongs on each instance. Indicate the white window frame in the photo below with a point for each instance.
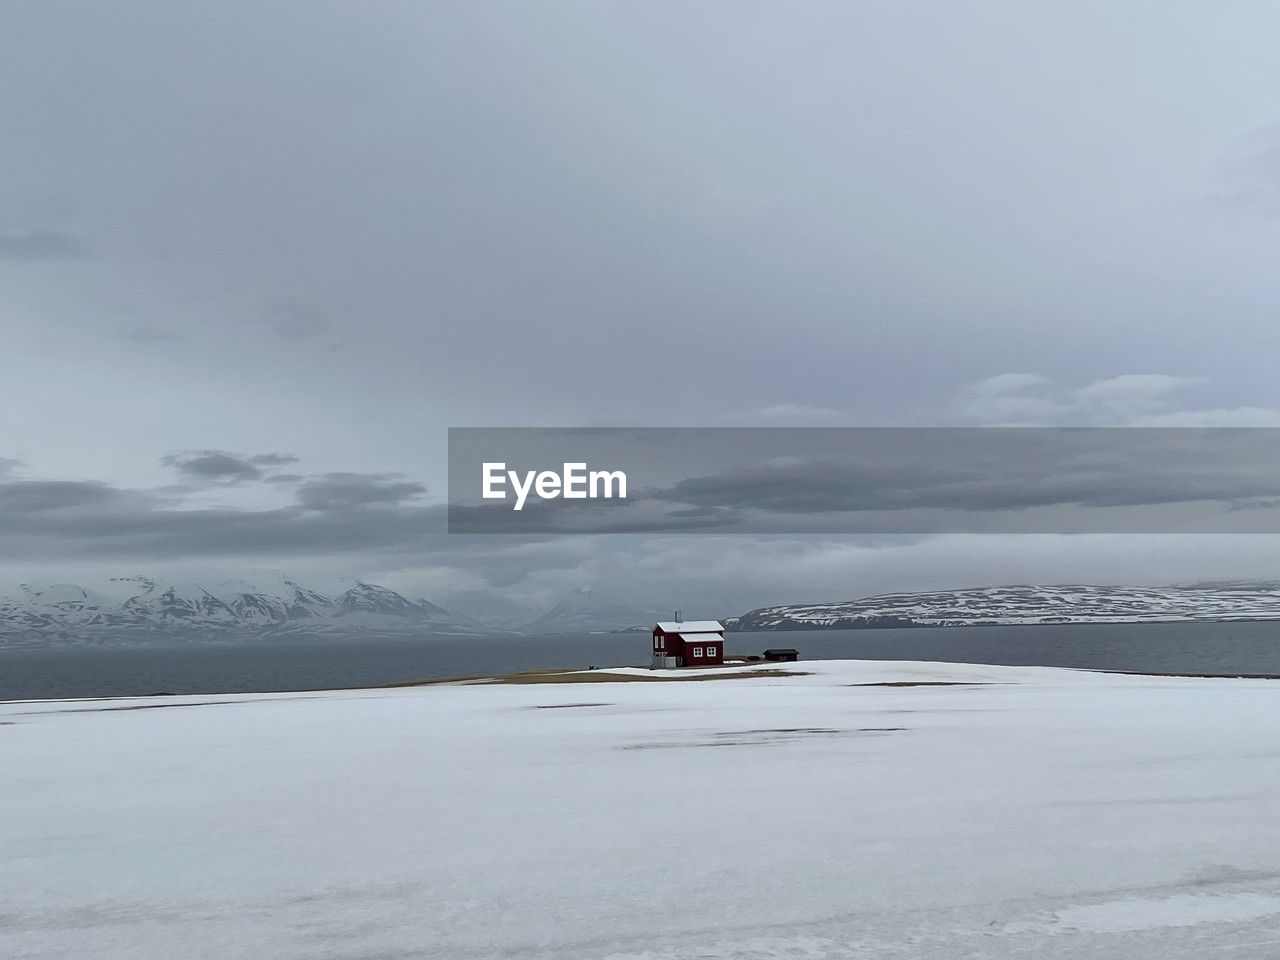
(697, 651)
(711, 651)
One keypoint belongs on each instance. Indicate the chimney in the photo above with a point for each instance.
(679, 617)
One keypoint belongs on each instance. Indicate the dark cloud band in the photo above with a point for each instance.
(970, 480)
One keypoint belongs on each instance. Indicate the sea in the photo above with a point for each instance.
(1219, 649)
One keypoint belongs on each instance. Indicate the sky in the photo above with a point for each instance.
(255, 259)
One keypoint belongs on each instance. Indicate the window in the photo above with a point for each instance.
(711, 651)
(659, 642)
(697, 651)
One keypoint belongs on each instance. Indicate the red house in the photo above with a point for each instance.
(696, 643)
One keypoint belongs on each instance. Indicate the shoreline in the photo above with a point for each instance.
(1177, 649)
(569, 676)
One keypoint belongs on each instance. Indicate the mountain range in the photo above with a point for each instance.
(1236, 600)
(142, 608)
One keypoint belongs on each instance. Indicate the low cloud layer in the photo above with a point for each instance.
(326, 514)
(1131, 399)
(353, 491)
(382, 528)
(856, 480)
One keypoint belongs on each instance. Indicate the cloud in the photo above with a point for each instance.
(1014, 410)
(61, 496)
(1006, 383)
(922, 480)
(332, 515)
(373, 523)
(219, 466)
(1131, 393)
(1004, 475)
(1219, 417)
(1006, 398)
(798, 411)
(349, 491)
(42, 245)
(1028, 399)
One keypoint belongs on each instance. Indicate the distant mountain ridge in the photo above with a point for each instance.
(1215, 601)
(142, 608)
(582, 612)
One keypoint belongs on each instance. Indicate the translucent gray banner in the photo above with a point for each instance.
(864, 480)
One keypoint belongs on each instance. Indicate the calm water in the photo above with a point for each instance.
(1212, 648)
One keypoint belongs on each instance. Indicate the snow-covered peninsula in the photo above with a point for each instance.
(1027, 604)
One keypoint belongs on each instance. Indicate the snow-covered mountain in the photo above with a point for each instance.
(1242, 600)
(493, 608)
(583, 612)
(142, 608)
(578, 611)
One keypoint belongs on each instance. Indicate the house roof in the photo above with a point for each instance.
(688, 627)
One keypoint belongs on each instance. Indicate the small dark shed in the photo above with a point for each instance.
(782, 654)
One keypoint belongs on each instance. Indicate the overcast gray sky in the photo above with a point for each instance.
(255, 258)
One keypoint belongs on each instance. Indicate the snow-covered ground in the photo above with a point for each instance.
(1031, 813)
